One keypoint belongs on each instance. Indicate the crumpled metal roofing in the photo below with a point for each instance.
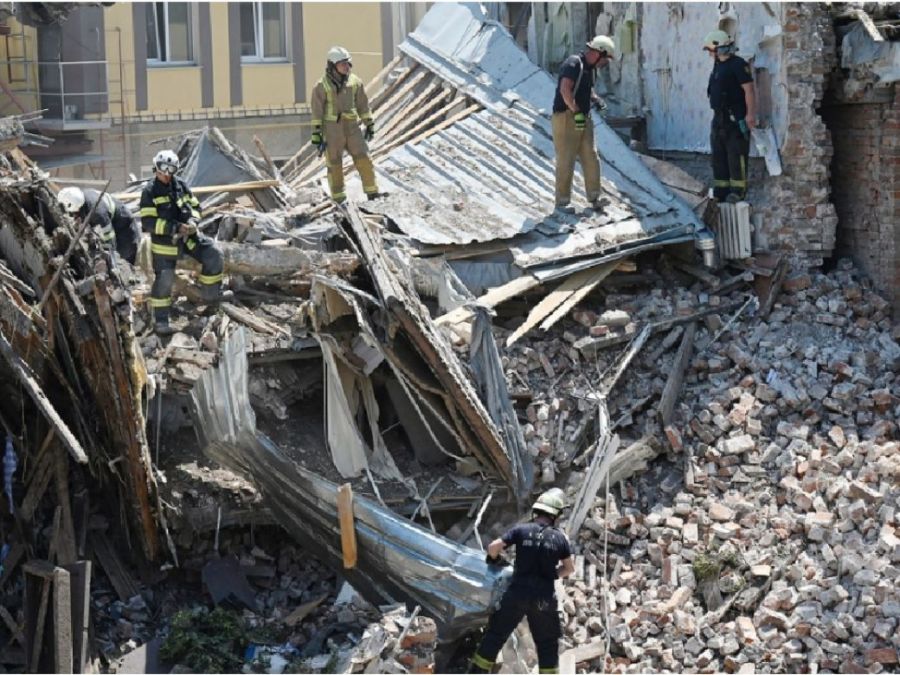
(397, 559)
(491, 175)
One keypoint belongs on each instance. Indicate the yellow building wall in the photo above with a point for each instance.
(120, 43)
(173, 88)
(218, 17)
(19, 77)
(267, 84)
(353, 25)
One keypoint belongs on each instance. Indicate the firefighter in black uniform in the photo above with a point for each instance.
(540, 548)
(733, 101)
(113, 220)
(171, 214)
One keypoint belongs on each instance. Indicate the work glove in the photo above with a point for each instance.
(499, 561)
(599, 105)
(579, 121)
(317, 140)
(745, 130)
(370, 131)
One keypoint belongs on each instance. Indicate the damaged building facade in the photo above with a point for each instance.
(825, 86)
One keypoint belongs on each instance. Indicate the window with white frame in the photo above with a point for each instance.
(262, 31)
(169, 33)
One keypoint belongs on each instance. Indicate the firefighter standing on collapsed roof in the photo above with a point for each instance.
(543, 555)
(573, 128)
(171, 214)
(339, 103)
(733, 101)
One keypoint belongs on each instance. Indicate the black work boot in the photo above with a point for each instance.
(162, 327)
(376, 195)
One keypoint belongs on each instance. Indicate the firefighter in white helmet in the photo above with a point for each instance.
(111, 218)
(543, 555)
(573, 128)
(171, 214)
(339, 105)
(733, 101)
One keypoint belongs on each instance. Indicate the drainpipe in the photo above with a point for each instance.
(126, 149)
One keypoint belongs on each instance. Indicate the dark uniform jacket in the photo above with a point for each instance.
(571, 68)
(726, 95)
(107, 211)
(539, 550)
(163, 209)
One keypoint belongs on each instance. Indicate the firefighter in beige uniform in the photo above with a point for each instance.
(339, 104)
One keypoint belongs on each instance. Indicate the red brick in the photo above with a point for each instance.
(883, 655)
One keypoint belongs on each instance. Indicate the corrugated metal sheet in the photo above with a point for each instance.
(491, 175)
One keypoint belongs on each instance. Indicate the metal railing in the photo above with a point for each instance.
(60, 96)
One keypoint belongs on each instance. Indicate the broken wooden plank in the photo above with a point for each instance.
(65, 545)
(676, 376)
(80, 586)
(589, 651)
(491, 298)
(347, 524)
(631, 461)
(112, 566)
(54, 595)
(29, 383)
(211, 189)
(303, 611)
(767, 289)
(624, 361)
(600, 273)
(263, 261)
(607, 445)
(250, 320)
(16, 551)
(706, 277)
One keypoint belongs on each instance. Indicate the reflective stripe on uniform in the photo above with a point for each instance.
(161, 200)
(482, 662)
(548, 670)
(209, 279)
(162, 249)
(149, 211)
(190, 244)
(161, 224)
(721, 183)
(161, 302)
(107, 234)
(330, 98)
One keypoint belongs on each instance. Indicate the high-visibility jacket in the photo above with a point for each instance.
(163, 209)
(104, 213)
(331, 104)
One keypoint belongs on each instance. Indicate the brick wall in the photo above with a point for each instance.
(797, 215)
(866, 186)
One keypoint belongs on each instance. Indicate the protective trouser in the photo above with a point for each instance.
(571, 144)
(128, 236)
(543, 621)
(345, 134)
(200, 248)
(730, 155)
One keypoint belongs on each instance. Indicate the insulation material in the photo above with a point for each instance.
(348, 450)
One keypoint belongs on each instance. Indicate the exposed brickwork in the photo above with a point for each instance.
(797, 214)
(866, 187)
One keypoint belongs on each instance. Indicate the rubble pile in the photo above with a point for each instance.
(772, 544)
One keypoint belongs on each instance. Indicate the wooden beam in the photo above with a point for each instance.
(607, 445)
(600, 273)
(624, 361)
(580, 654)
(676, 376)
(491, 299)
(348, 526)
(29, 383)
(211, 189)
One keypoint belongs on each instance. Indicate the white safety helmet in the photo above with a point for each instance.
(338, 54)
(603, 43)
(71, 199)
(166, 161)
(715, 39)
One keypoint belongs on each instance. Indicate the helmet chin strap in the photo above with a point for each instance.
(725, 50)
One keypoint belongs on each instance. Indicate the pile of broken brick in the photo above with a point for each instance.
(767, 539)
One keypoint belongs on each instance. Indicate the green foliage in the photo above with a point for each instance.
(206, 642)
